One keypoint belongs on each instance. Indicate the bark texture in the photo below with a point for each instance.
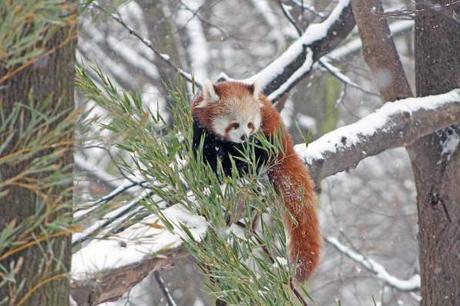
(40, 267)
(437, 66)
(437, 56)
(379, 50)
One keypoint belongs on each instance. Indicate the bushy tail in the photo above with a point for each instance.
(304, 239)
(293, 183)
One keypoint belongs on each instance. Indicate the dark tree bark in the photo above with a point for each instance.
(41, 262)
(437, 55)
(437, 66)
(379, 50)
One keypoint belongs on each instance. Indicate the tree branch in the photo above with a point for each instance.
(131, 207)
(380, 272)
(379, 50)
(164, 289)
(110, 285)
(393, 125)
(323, 62)
(297, 61)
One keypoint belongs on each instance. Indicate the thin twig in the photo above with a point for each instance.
(108, 219)
(206, 22)
(290, 18)
(345, 81)
(309, 8)
(323, 62)
(164, 57)
(84, 210)
(380, 272)
(164, 289)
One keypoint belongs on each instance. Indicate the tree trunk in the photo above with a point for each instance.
(437, 66)
(37, 262)
(437, 56)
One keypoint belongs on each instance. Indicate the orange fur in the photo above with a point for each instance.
(226, 90)
(293, 183)
(289, 176)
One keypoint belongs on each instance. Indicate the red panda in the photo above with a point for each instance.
(228, 113)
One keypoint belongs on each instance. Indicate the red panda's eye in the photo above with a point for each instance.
(235, 125)
(251, 125)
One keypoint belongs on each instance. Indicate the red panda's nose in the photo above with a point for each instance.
(244, 137)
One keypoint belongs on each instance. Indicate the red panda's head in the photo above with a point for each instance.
(231, 110)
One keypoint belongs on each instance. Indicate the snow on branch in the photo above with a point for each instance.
(394, 125)
(380, 272)
(297, 61)
(111, 284)
(131, 254)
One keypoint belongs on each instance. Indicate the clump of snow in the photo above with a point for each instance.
(145, 238)
(165, 56)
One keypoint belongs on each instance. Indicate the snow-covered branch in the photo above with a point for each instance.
(111, 284)
(380, 272)
(394, 125)
(131, 254)
(297, 61)
(323, 62)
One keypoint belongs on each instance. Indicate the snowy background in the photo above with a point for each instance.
(370, 209)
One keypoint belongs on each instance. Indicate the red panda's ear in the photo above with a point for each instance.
(256, 89)
(209, 94)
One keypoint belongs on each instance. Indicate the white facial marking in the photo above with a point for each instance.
(219, 125)
(237, 128)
